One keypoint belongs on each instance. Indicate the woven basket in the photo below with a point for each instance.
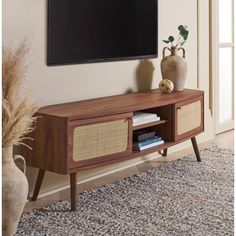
(96, 140)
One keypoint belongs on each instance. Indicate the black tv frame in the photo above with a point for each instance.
(49, 63)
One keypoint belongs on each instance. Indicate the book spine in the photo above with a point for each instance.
(144, 118)
(148, 141)
(141, 122)
(142, 137)
(152, 145)
(149, 145)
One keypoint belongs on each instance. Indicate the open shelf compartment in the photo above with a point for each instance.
(163, 128)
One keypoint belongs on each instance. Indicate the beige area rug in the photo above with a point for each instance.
(182, 197)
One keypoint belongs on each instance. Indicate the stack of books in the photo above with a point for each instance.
(140, 118)
(144, 139)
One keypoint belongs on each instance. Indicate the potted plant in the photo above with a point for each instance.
(174, 67)
(17, 120)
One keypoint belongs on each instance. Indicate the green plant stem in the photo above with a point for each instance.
(178, 43)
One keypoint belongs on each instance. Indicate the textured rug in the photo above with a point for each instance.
(178, 198)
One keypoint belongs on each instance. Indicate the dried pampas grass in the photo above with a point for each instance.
(18, 106)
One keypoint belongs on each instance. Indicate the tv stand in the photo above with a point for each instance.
(86, 134)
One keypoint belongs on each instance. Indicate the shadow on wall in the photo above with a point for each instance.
(144, 75)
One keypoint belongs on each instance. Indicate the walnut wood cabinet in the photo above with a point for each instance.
(90, 133)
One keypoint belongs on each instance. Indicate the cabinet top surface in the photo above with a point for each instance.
(117, 104)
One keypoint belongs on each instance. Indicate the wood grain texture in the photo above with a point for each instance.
(73, 191)
(49, 145)
(166, 130)
(118, 104)
(53, 137)
(53, 141)
(149, 124)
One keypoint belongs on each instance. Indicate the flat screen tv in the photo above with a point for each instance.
(84, 31)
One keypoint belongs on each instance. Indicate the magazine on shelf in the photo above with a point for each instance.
(145, 121)
(147, 141)
(143, 115)
(140, 135)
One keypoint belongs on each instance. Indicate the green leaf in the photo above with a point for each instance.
(183, 31)
(165, 41)
(182, 43)
(181, 28)
(171, 39)
(185, 35)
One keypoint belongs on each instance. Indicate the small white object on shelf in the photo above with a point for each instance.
(141, 118)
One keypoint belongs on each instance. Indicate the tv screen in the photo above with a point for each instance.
(83, 31)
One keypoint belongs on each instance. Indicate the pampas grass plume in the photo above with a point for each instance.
(18, 106)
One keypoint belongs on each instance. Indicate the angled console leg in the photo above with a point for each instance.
(195, 147)
(73, 191)
(163, 152)
(38, 184)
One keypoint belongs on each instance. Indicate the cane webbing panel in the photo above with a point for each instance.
(90, 141)
(189, 117)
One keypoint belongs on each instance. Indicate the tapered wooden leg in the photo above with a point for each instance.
(38, 184)
(73, 191)
(164, 152)
(196, 150)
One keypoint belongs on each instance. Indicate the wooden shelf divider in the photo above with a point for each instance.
(149, 124)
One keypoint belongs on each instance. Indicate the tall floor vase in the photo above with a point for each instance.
(14, 191)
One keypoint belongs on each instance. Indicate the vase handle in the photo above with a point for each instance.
(164, 50)
(20, 162)
(183, 51)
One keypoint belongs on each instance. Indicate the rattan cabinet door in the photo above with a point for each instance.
(100, 140)
(189, 118)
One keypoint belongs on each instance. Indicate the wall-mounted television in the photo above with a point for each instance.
(85, 31)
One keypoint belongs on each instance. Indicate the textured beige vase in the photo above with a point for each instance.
(174, 68)
(14, 191)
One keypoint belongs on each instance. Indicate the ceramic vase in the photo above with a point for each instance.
(174, 67)
(14, 191)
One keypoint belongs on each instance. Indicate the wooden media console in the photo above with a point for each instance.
(86, 134)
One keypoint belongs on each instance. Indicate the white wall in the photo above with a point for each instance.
(27, 18)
